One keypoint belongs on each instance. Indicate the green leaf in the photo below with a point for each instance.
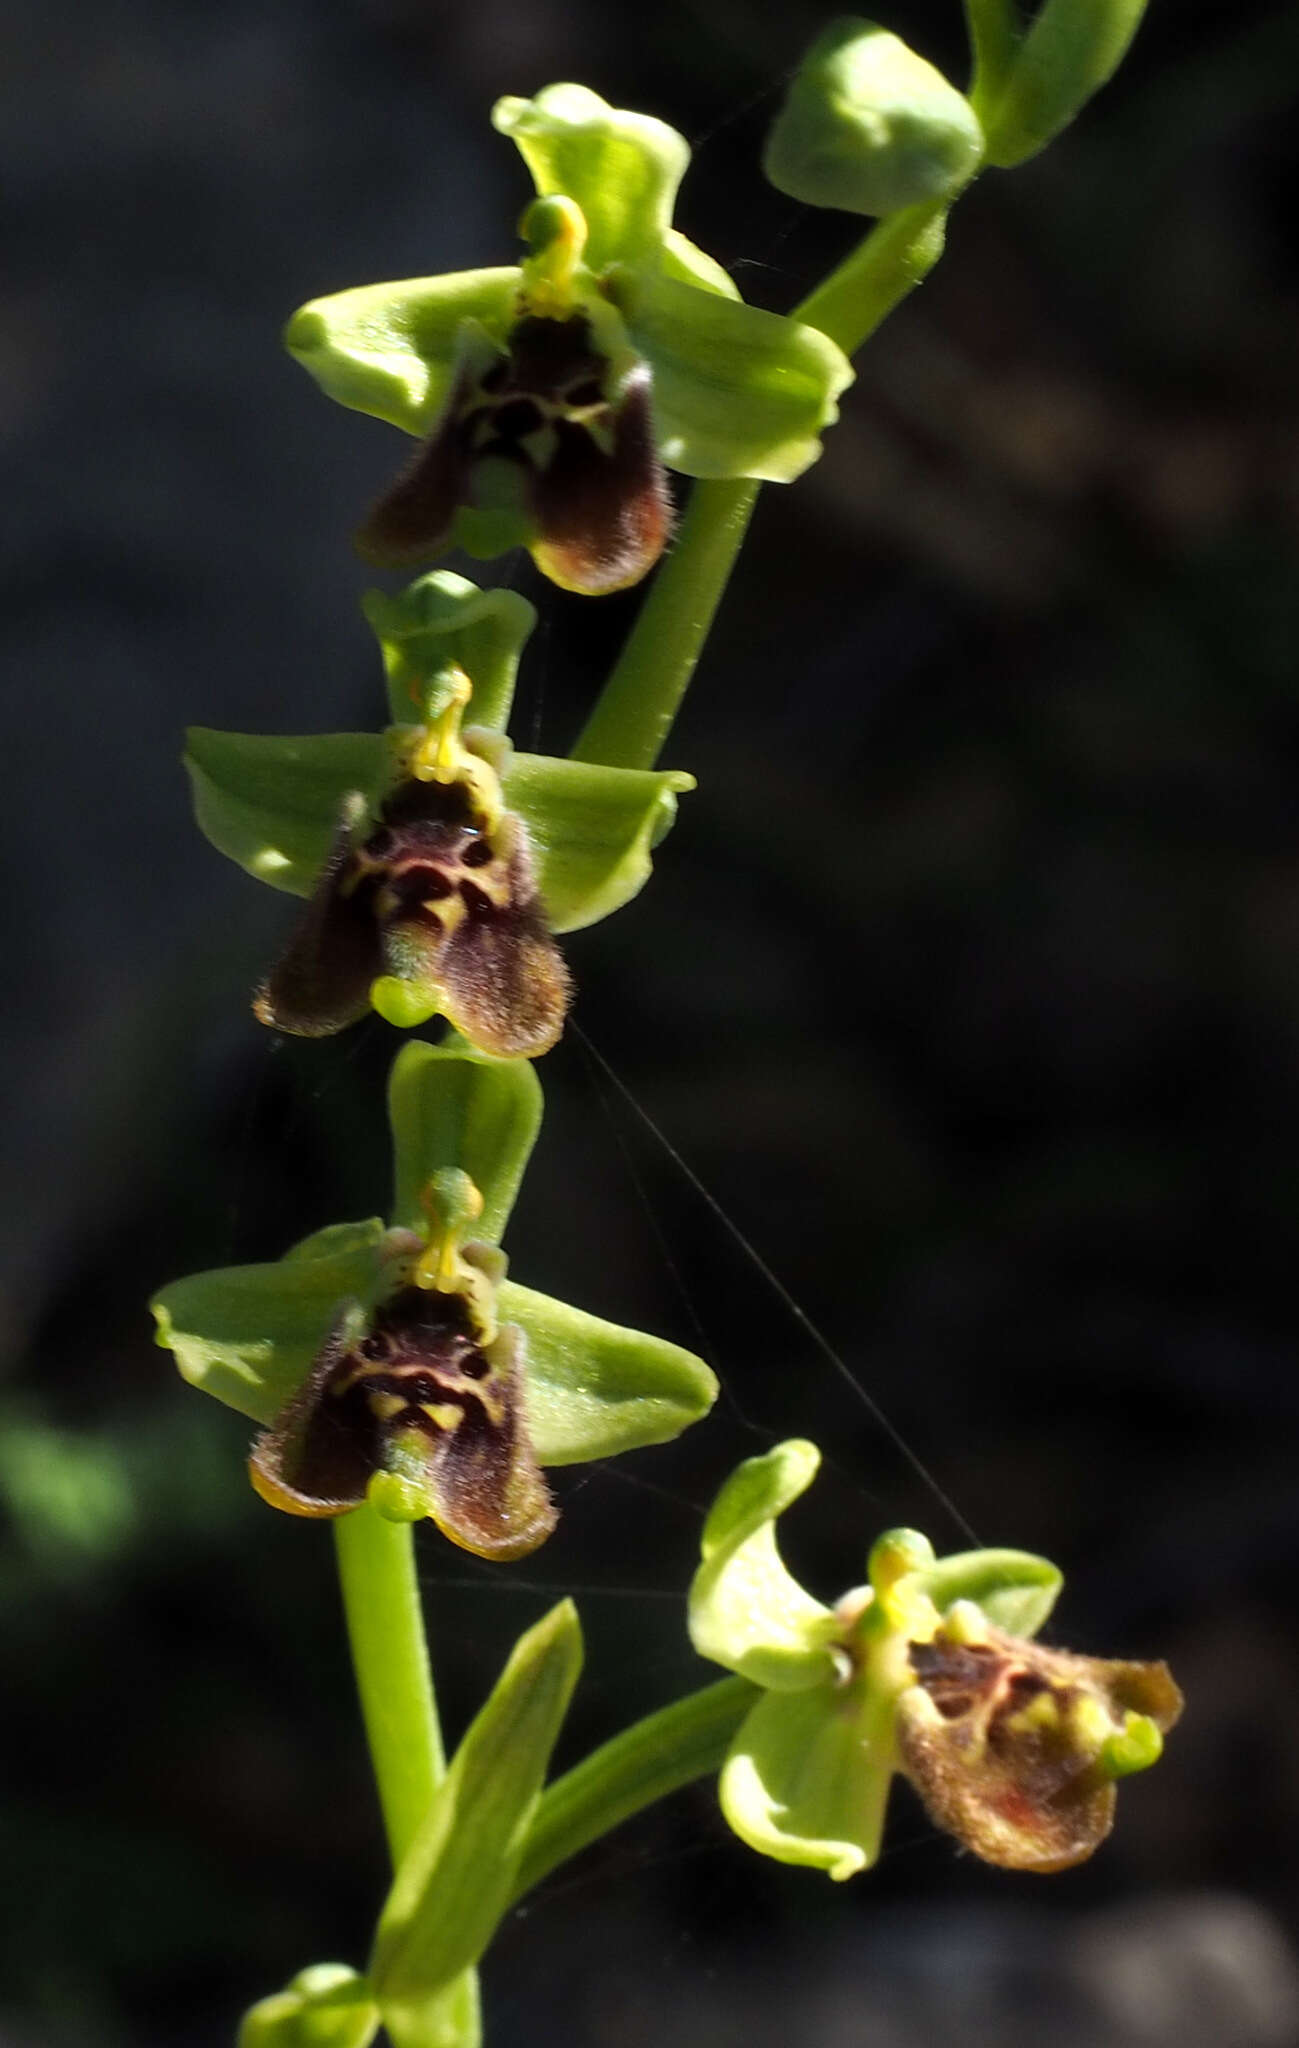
(1013, 1588)
(594, 1389)
(442, 618)
(247, 1334)
(456, 1879)
(746, 1610)
(592, 830)
(807, 1777)
(1071, 49)
(870, 127)
(621, 168)
(737, 392)
(326, 2006)
(451, 1106)
(271, 803)
(390, 349)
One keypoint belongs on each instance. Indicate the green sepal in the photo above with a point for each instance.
(807, 1777)
(248, 1334)
(683, 259)
(327, 2005)
(592, 830)
(451, 1106)
(1014, 1589)
(443, 618)
(271, 802)
(622, 169)
(737, 391)
(594, 1389)
(390, 350)
(1071, 49)
(456, 1879)
(869, 126)
(746, 1610)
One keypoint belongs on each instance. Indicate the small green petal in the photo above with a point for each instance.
(443, 618)
(456, 1879)
(737, 392)
(326, 2006)
(450, 1106)
(592, 830)
(807, 1779)
(621, 168)
(1015, 1590)
(271, 802)
(390, 349)
(746, 1610)
(247, 1334)
(595, 1389)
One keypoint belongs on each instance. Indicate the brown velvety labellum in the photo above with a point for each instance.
(417, 1394)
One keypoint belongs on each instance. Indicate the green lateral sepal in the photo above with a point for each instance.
(457, 1878)
(737, 391)
(746, 1610)
(871, 127)
(1034, 82)
(807, 1778)
(327, 2005)
(271, 802)
(247, 1334)
(440, 620)
(595, 1389)
(592, 830)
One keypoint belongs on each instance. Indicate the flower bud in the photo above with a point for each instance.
(870, 127)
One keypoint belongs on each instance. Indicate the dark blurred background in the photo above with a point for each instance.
(968, 983)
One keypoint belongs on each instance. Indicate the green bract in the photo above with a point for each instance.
(870, 127)
(368, 825)
(926, 1670)
(545, 388)
(287, 1343)
(455, 1881)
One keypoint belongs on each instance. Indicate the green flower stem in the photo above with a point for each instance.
(385, 1626)
(897, 256)
(635, 710)
(652, 1758)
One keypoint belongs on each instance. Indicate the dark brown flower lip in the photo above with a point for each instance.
(419, 1395)
(589, 472)
(1004, 1739)
(431, 896)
